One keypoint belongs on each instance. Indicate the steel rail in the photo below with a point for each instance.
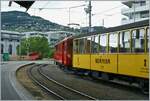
(64, 86)
(41, 85)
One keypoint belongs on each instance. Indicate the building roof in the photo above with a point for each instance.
(10, 32)
(32, 32)
(60, 32)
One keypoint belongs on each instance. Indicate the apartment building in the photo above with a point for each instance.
(136, 11)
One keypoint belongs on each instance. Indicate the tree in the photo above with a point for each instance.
(35, 44)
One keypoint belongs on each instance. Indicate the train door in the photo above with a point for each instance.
(69, 53)
(75, 52)
(84, 56)
(63, 50)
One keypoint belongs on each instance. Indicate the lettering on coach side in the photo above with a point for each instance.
(102, 61)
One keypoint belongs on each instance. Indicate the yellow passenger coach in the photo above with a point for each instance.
(117, 52)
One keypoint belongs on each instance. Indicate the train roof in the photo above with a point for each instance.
(118, 28)
(66, 38)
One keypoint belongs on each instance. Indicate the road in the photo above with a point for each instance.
(10, 88)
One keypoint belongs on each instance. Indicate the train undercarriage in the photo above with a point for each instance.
(142, 83)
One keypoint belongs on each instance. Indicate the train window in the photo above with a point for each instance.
(95, 44)
(81, 46)
(75, 46)
(88, 45)
(124, 41)
(138, 40)
(148, 43)
(113, 42)
(103, 43)
(92, 44)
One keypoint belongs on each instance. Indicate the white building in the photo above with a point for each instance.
(52, 36)
(136, 11)
(9, 42)
(33, 34)
(55, 36)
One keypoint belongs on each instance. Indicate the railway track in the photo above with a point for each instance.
(59, 90)
(113, 83)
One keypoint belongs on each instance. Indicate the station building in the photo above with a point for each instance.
(9, 42)
(34, 34)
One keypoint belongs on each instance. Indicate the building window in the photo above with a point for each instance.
(142, 3)
(2, 48)
(18, 40)
(144, 14)
(131, 16)
(10, 49)
(10, 40)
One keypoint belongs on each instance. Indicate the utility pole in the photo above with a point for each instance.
(134, 11)
(103, 22)
(69, 15)
(90, 10)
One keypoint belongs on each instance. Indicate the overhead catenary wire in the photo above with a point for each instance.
(102, 12)
(45, 4)
(41, 8)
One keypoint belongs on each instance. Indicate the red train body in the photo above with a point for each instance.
(34, 56)
(63, 53)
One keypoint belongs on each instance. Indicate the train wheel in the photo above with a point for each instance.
(94, 74)
(105, 76)
(144, 86)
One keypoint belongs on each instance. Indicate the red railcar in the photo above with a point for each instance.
(34, 56)
(63, 52)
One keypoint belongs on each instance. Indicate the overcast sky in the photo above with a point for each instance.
(110, 11)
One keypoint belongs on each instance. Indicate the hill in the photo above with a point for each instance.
(22, 22)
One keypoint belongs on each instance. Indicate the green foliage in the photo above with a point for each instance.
(51, 53)
(35, 44)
